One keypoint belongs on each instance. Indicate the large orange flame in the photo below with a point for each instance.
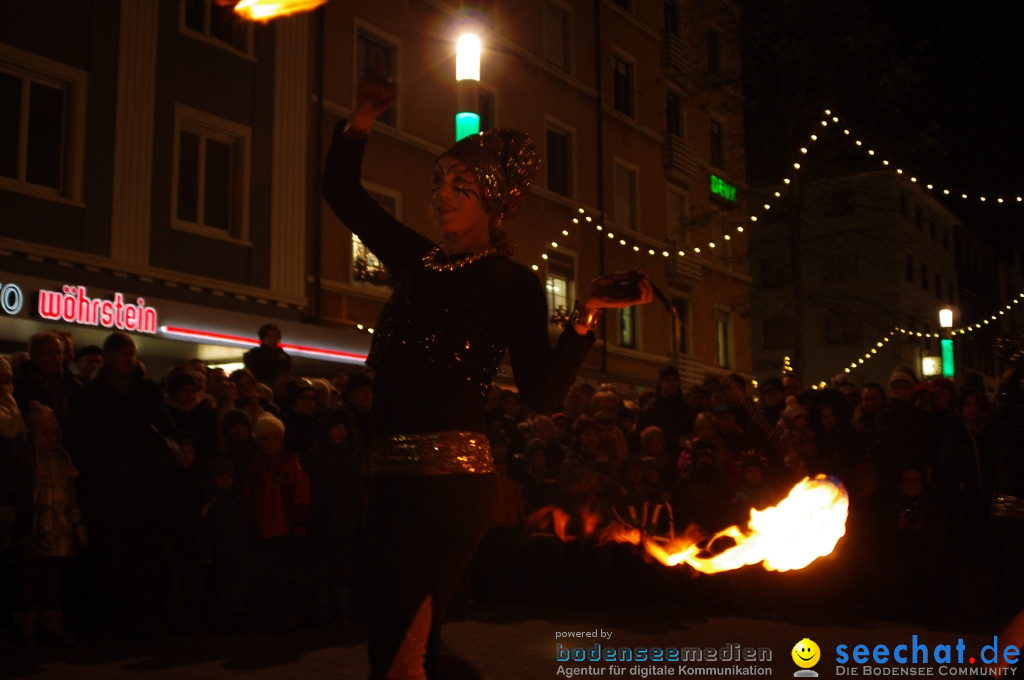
(265, 10)
(804, 526)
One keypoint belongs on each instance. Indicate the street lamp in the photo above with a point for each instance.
(467, 80)
(946, 321)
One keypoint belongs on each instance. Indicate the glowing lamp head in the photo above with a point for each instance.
(467, 57)
(946, 317)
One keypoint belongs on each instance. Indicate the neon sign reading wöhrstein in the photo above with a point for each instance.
(73, 305)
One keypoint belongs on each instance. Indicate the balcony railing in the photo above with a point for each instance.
(677, 61)
(681, 158)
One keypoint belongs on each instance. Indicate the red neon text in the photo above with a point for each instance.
(74, 306)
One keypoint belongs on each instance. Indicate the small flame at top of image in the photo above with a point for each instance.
(265, 10)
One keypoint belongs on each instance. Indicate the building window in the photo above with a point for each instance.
(775, 272)
(714, 53)
(938, 285)
(678, 228)
(842, 329)
(723, 339)
(559, 161)
(779, 333)
(717, 140)
(625, 197)
(560, 285)
(42, 109)
(673, 114)
(670, 13)
(945, 238)
(908, 268)
(624, 4)
(842, 267)
(377, 57)
(924, 277)
(218, 22)
(681, 324)
(627, 327)
(622, 85)
(366, 268)
(949, 292)
(211, 175)
(557, 37)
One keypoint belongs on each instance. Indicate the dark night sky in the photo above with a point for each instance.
(959, 120)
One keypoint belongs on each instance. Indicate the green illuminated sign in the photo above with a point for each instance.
(722, 189)
(466, 123)
(947, 357)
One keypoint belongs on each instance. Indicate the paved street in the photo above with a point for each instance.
(508, 643)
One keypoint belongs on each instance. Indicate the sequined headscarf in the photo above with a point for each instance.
(504, 161)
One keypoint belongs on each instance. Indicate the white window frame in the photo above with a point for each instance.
(187, 119)
(565, 42)
(378, 191)
(569, 295)
(74, 82)
(375, 33)
(631, 62)
(247, 50)
(551, 125)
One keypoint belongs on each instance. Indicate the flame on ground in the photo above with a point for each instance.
(804, 526)
(265, 10)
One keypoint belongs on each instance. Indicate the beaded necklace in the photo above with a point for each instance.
(432, 259)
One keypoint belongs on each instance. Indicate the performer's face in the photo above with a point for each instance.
(457, 200)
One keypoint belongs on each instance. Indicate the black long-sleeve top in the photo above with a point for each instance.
(441, 335)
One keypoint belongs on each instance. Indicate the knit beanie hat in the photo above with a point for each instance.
(901, 375)
(652, 431)
(793, 409)
(267, 423)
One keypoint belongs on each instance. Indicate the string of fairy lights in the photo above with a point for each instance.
(630, 241)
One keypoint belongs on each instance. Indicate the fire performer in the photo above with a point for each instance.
(456, 307)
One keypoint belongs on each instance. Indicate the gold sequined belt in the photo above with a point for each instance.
(432, 453)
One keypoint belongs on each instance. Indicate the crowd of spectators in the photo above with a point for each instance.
(197, 500)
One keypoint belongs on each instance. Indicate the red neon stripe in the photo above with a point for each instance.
(253, 341)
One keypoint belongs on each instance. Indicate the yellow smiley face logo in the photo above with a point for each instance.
(806, 653)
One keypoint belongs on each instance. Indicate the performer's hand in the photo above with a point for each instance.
(619, 290)
(373, 97)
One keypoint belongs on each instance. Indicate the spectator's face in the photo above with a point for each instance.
(753, 475)
(654, 445)
(338, 433)
(239, 432)
(543, 430)
(48, 357)
(912, 484)
(941, 399)
(224, 481)
(901, 390)
(185, 396)
(871, 400)
(668, 386)
(590, 439)
(511, 407)
(362, 398)
(971, 409)
(120, 362)
(88, 364)
(305, 403)
(828, 418)
(271, 337)
(772, 395)
(271, 442)
(726, 422)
